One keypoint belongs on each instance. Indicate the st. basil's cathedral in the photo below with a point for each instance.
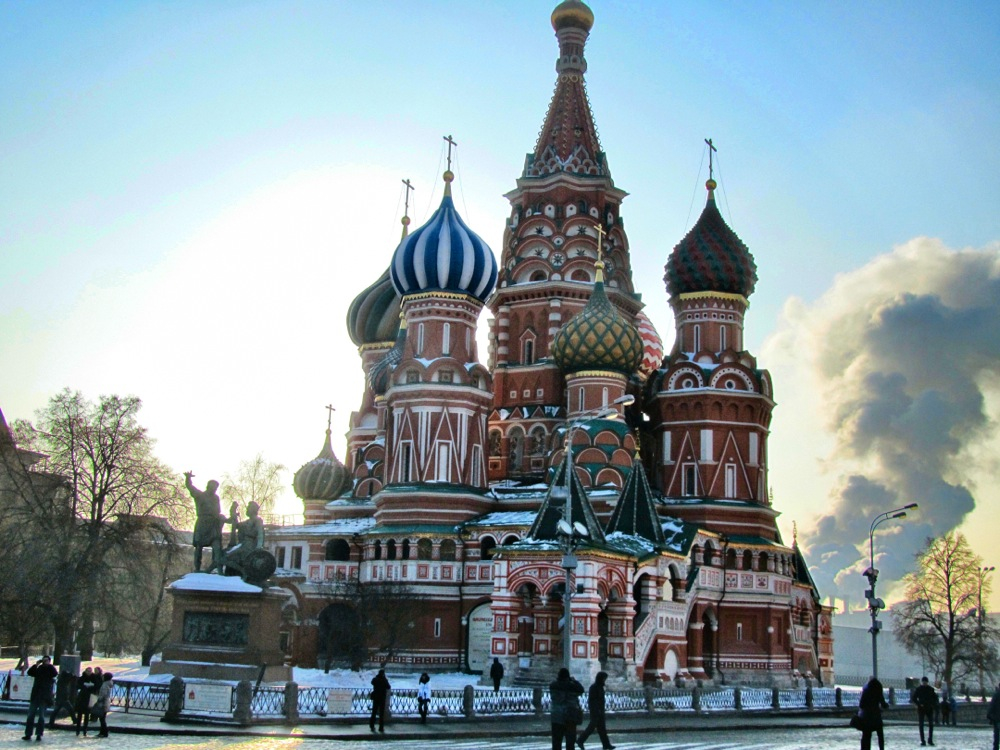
(580, 460)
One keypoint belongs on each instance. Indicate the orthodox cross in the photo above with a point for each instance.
(600, 236)
(450, 144)
(406, 207)
(329, 416)
(711, 150)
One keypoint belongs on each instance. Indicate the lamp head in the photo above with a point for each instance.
(564, 528)
(580, 530)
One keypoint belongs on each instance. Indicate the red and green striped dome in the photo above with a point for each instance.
(711, 258)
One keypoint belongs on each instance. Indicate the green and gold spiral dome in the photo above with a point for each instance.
(598, 338)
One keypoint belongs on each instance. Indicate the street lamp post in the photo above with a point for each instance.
(983, 572)
(875, 604)
(570, 533)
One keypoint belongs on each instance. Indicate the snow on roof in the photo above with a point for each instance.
(636, 545)
(506, 518)
(213, 582)
(330, 528)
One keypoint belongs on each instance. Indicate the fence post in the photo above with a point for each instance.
(536, 700)
(175, 699)
(128, 695)
(892, 696)
(244, 696)
(809, 696)
(738, 698)
(775, 699)
(838, 698)
(647, 694)
(469, 701)
(291, 702)
(696, 699)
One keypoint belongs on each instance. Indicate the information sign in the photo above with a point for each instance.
(208, 696)
(339, 701)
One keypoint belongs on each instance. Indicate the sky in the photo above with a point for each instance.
(192, 193)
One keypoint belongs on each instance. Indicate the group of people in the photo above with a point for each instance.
(567, 714)
(928, 703)
(93, 697)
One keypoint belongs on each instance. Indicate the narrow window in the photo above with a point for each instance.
(297, 558)
(281, 557)
(420, 339)
(579, 401)
(688, 480)
(604, 398)
(697, 339)
(529, 352)
(706, 445)
(754, 448)
(446, 339)
(722, 338)
(666, 447)
(477, 463)
(730, 480)
(404, 468)
(437, 627)
(443, 456)
(739, 631)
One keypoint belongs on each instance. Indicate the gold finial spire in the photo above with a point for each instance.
(710, 183)
(795, 534)
(599, 265)
(329, 416)
(405, 221)
(449, 175)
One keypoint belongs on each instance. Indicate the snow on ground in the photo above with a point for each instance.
(129, 668)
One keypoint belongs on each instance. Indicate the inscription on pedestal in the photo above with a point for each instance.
(216, 629)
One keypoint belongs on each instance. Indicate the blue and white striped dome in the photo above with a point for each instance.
(444, 255)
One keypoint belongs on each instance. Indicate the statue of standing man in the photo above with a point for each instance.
(208, 526)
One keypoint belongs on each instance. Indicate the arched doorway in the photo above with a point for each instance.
(603, 628)
(338, 643)
(709, 642)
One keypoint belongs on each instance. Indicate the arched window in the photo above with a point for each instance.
(378, 550)
(495, 438)
(536, 445)
(486, 545)
(447, 550)
(405, 552)
(511, 539)
(528, 354)
(338, 549)
(424, 548)
(390, 549)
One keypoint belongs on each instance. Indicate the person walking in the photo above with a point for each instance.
(925, 697)
(96, 681)
(103, 704)
(424, 696)
(496, 674)
(44, 675)
(871, 704)
(993, 716)
(595, 704)
(380, 694)
(566, 712)
(86, 686)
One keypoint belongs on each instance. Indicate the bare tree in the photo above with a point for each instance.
(367, 622)
(257, 480)
(115, 486)
(939, 618)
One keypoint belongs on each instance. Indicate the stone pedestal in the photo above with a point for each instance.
(224, 629)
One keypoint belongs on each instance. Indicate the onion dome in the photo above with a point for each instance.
(711, 258)
(598, 337)
(652, 346)
(572, 13)
(444, 255)
(323, 478)
(373, 317)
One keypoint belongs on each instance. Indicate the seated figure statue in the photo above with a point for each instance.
(248, 557)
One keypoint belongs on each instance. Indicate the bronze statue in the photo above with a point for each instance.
(250, 536)
(208, 526)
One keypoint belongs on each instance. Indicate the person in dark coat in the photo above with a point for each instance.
(595, 703)
(496, 674)
(86, 686)
(566, 712)
(871, 704)
(925, 698)
(41, 696)
(993, 716)
(380, 693)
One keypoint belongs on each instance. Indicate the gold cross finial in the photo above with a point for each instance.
(711, 150)
(329, 415)
(451, 143)
(406, 207)
(600, 237)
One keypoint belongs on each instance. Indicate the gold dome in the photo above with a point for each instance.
(572, 13)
